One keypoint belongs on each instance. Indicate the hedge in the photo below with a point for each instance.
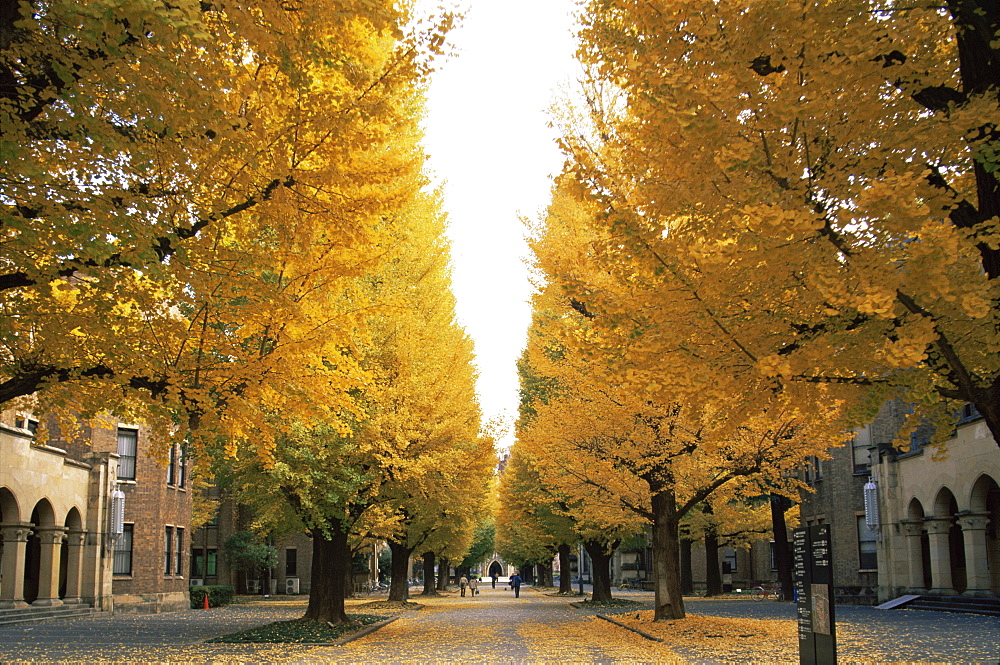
(218, 594)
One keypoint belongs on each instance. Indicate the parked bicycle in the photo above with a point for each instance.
(769, 591)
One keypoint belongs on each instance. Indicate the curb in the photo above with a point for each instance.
(634, 630)
(367, 630)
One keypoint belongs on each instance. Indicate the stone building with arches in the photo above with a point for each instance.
(940, 511)
(57, 548)
(931, 526)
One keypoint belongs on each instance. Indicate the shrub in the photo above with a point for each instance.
(218, 594)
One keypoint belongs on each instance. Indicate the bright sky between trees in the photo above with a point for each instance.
(489, 143)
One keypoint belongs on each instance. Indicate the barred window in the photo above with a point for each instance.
(128, 443)
(179, 551)
(181, 466)
(867, 551)
(168, 551)
(171, 455)
(123, 552)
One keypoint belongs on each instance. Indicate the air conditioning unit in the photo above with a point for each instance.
(253, 587)
(197, 582)
(292, 586)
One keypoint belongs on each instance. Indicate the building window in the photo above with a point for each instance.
(867, 555)
(968, 413)
(728, 560)
(26, 422)
(123, 552)
(862, 455)
(179, 551)
(168, 550)
(291, 562)
(197, 563)
(128, 443)
(204, 562)
(181, 465)
(170, 465)
(814, 469)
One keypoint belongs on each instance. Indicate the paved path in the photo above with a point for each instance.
(493, 627)
(896, 635)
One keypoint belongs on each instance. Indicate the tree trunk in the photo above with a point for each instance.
(399, 590)
(600, 559)
(782, 551)
(545, 574)
(565, 576)
(687, 574)
(429, 581)
(442, 581)
(669, 604)
(713, 576)
(331, 556)
(349, 576)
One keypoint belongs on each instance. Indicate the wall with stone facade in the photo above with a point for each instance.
(71, 478)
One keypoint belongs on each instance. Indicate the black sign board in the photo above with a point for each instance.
(812, 560)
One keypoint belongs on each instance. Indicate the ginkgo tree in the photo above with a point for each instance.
(657, 446)
(186, 190)
(820, 183)
(412, 465)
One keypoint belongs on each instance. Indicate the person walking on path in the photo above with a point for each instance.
(515, 582)
(473, 585)
(494, 576)
(462, 583)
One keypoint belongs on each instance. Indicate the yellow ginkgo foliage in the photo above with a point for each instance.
(817, 186)
(187, 192)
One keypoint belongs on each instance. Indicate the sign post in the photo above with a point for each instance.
(813, 566)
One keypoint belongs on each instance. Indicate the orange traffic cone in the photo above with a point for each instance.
(205, 605)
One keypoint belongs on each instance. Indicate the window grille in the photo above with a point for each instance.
(123, 552)
(867, 548)
(128, 442)
(170, 465)
(179, 551)
(168, 544)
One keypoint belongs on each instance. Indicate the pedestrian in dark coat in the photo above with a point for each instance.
(515, 581)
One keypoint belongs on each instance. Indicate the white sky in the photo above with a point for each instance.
(488, 141)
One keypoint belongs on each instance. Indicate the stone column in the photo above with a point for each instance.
(913, 529)
(977, 572)
(50, 538)
(937, 530)
(15, 544)
(74, 566)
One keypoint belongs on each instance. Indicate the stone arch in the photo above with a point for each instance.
(495, 567)
(919, 548)
(945, 504)
(947, 544)
(73, 519)
(10, 512)
(70, 556)
(985, 495)
(984, 503)
(42, 516)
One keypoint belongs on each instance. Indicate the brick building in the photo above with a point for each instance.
(60, 544)
(291, 575)
(933, 529)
